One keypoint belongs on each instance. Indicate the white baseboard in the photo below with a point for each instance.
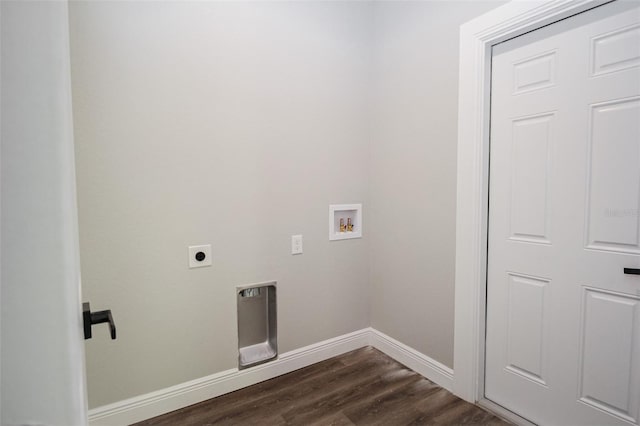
(175, 397)
(418, 362)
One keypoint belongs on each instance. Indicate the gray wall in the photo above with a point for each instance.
(236, 124)
(412, 212)
(229, 123)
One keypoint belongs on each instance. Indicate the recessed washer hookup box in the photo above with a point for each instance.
(257, 324)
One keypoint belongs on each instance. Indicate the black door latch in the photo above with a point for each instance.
(91, 318)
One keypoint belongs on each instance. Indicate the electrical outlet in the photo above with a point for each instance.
(200, 256)
(296, 244)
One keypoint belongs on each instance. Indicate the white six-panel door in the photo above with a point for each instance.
(563, 320)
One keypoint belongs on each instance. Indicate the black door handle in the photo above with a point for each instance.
(632, 271)
(90, 318)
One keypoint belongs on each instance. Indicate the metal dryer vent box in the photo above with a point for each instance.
(257, 324)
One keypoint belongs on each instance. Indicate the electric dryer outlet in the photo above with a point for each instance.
(200, 256)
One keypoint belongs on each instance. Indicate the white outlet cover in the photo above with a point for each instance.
(296, 244)
(194, 250)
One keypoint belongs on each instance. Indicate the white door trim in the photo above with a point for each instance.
(476, 38)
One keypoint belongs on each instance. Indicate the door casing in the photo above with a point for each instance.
(474, 91)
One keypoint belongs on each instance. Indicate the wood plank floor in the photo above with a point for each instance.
(363, 387)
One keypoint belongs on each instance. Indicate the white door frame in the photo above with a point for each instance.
(476, 39)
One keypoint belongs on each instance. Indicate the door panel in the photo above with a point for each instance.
(610, 378)
(614, 177)
(530, 147)
(534, 73)
(528, 327)
(562, 318)
(616, 51)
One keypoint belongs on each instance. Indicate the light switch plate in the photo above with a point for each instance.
(296, 244)
(200, 256)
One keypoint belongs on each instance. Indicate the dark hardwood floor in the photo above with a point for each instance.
(363, 387)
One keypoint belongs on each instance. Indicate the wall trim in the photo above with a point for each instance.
(476, 39)
(182, 395)
(417, 361)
